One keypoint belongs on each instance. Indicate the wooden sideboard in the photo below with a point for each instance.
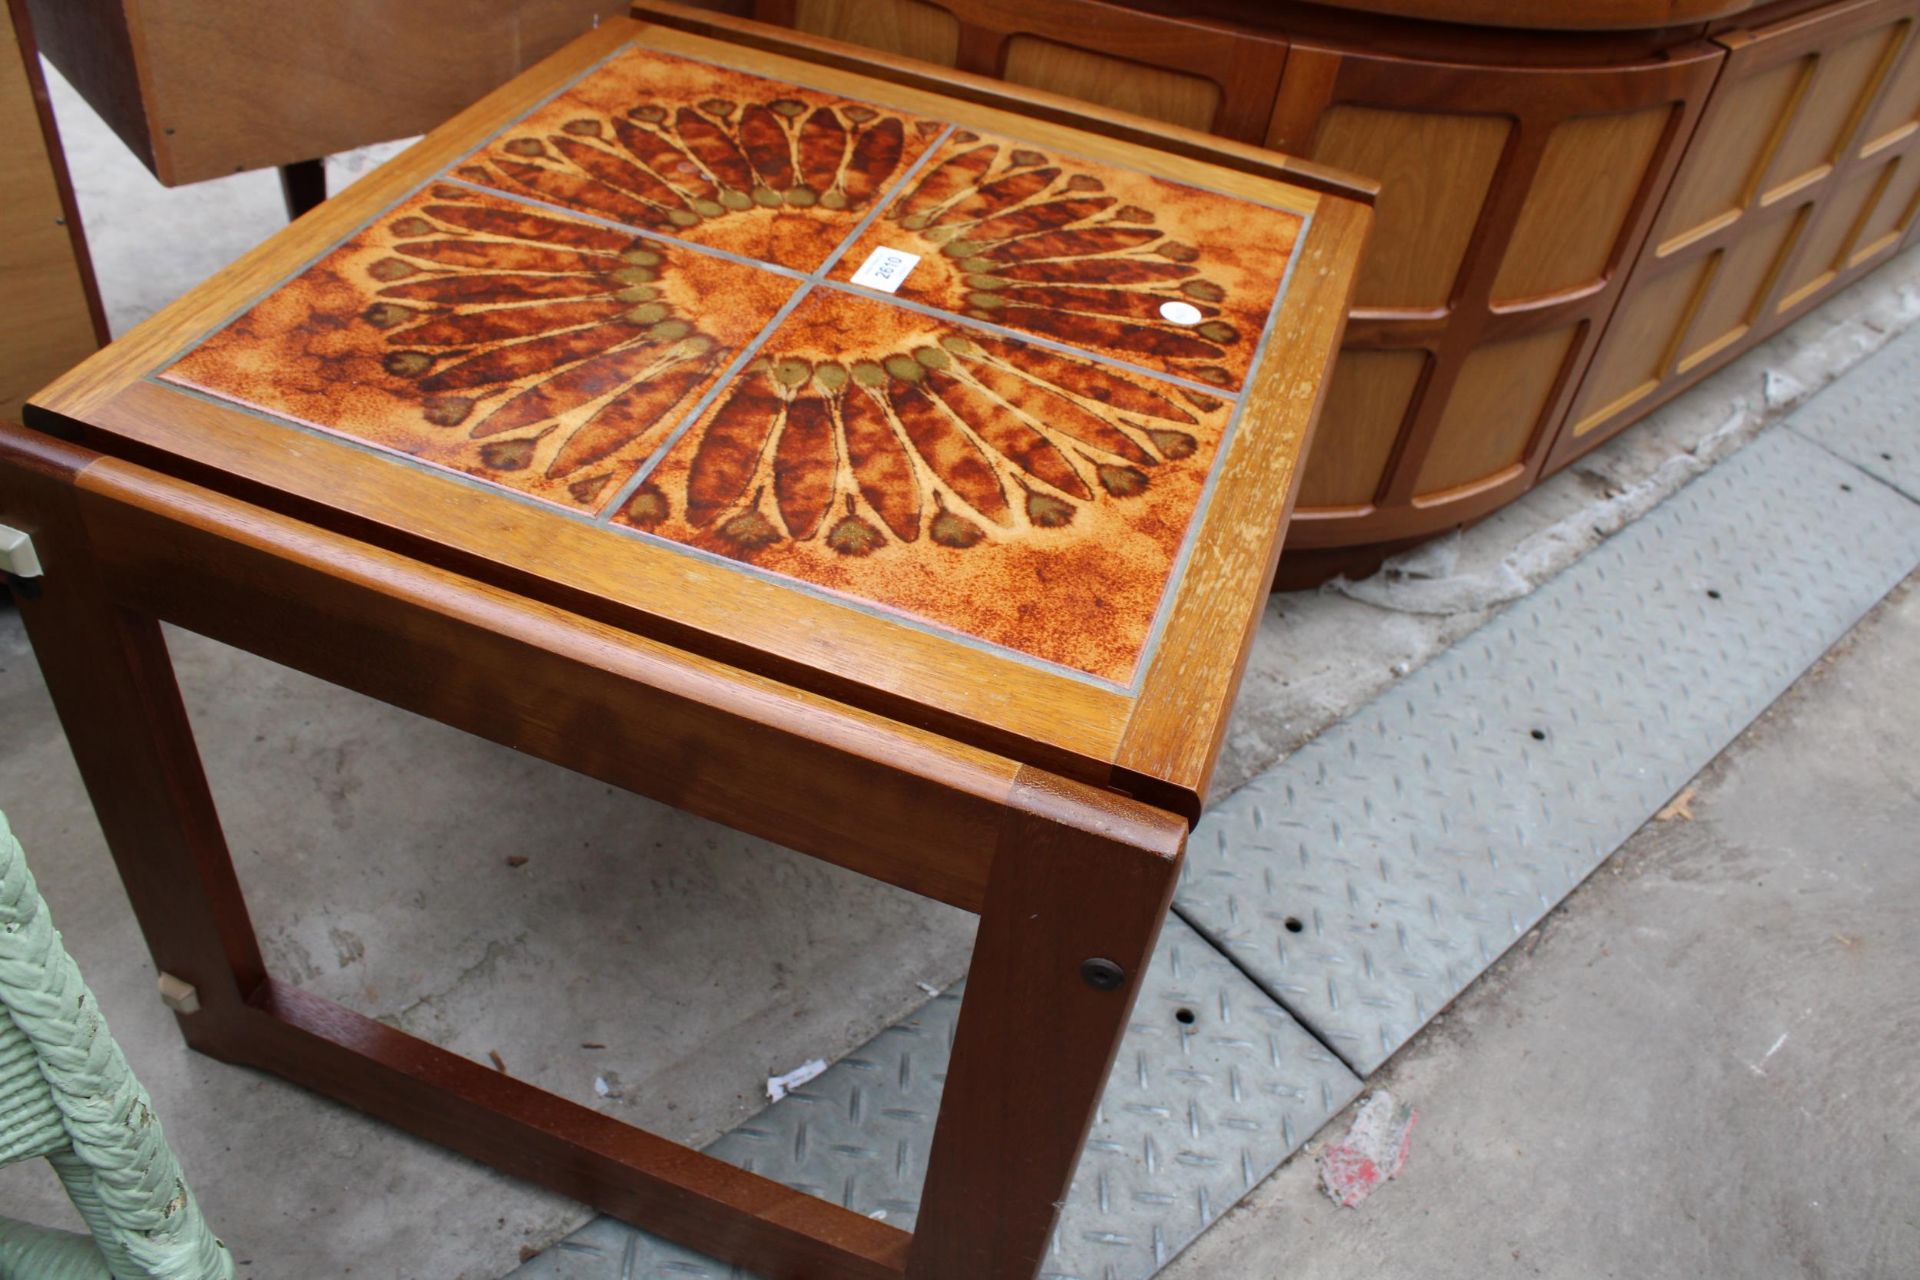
(1577, 220)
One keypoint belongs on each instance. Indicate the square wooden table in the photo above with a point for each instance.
(890, 473)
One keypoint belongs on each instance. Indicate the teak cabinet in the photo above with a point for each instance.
(1191, 72)
(1514, 201)
(1577, 219)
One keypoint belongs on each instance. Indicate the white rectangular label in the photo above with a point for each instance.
(886, 269)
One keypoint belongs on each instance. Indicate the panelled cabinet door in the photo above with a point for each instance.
(1804, 173)
(1186, 72)
(1513, 200)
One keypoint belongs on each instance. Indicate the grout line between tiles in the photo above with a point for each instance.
(881, 202)
(614, 224)
(739, 362)
(724, 380)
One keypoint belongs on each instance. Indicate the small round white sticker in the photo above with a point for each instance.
(1180, 312)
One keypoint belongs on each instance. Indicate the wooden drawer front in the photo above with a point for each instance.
(1802, 175)
(1189, 73)
(1513, 201)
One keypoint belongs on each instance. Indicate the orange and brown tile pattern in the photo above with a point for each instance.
(537, 352)
(759, 168)
(1021, 495)
(1030, 499)
(1164, 276)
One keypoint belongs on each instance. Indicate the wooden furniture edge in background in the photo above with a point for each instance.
(53, 313)
(175, 78)
(1556, 15)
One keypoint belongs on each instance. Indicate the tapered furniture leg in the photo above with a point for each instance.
(303, 184)
(113, 686)
(1080, 886)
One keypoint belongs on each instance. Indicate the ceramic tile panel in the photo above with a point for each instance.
(1026, 483)
(1029, 499)
(771, 171)
(533, 351)
(1160, 275)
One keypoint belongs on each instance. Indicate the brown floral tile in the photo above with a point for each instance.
(536, 352)
(1161, 275)
(1032, 500)
(719, 157)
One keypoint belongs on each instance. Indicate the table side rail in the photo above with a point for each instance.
(520, 1129)
(882, 798)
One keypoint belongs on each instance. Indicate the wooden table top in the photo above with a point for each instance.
(968, 418)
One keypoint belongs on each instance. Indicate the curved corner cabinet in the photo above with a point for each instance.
(1803, 175)
(1577, 220)
(1514, 200)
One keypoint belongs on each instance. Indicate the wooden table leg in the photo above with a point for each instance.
(1081, 883)
(113, 687)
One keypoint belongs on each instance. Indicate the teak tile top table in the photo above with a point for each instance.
(878, 463)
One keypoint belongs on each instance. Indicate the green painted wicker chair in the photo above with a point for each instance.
(66, 1093)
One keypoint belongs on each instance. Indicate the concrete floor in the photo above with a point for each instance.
(375, 846)
(1706, 1062)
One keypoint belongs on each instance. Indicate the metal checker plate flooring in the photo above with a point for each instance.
(1871, 417)
(1388, 862)
(1194, 1115)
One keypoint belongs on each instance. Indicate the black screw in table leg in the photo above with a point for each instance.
(1102, 975)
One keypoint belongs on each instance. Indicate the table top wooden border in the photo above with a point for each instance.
(1158, 742)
